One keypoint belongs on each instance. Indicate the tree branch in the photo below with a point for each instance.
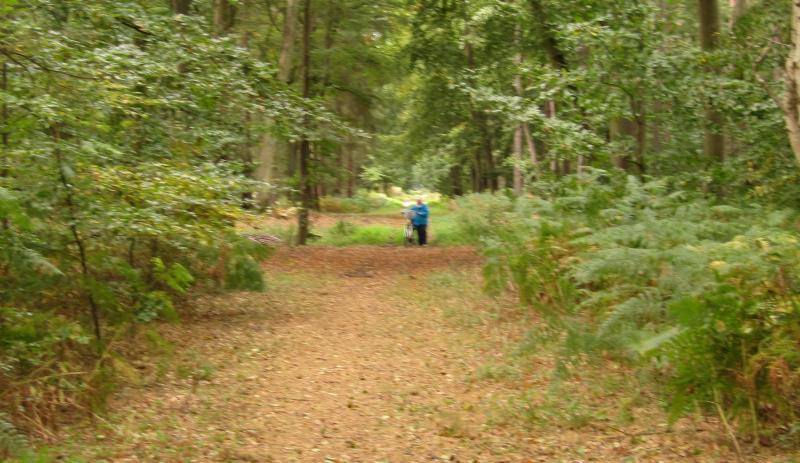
(10, 55)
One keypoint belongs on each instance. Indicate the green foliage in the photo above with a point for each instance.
(347, 234)
(521, 247)
(243, 269)
(363, 201)
(33, 339)
(126, 141)
(703, 295)
(12, 442)
(621, 84)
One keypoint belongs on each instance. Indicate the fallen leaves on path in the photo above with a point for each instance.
(349, 358)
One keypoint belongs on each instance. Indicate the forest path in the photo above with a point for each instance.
(347, 357)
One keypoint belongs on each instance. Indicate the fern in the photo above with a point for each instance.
(706, 293)
(12, 442)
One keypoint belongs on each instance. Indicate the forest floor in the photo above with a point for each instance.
(378, 354)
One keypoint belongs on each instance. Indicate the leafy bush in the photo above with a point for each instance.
(120, 186)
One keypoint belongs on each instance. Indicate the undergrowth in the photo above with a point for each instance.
(347, 234)
(443, 231)
(699, 296)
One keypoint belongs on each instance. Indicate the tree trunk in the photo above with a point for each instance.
(532, 153)
(288, 40)
(484, 168)
(488, 154)
(456, 186)
(305, 145)
(181, 6)
(4, 120)
(738, 9)
(714, 141)
(791, 100)
(518, 160)
(550, 112)
(518, 131)
(633, 130)
(550, 43)
(270, 148)
(293, 159)
(640, 124)
(351, 174)
(477, 172)
(78, 239)
(224, 16)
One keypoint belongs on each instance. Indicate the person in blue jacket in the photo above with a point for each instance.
(420, 221)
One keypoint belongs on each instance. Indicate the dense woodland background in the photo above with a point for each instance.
(644, 154)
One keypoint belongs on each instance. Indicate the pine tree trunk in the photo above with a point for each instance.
(714, 141)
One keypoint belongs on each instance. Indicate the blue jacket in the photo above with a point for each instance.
(420, 214)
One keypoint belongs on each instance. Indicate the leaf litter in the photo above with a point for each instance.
(350, 356)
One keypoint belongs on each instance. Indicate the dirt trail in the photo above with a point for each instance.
(337, 362)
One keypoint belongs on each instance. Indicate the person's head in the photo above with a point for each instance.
(419, 200)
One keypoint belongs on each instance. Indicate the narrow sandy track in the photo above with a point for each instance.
(339, 362)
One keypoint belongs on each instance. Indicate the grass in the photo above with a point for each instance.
(348, 234)
(442, 231)
(286, 232)
(538, 396)
(444, 228)
(44, 456)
